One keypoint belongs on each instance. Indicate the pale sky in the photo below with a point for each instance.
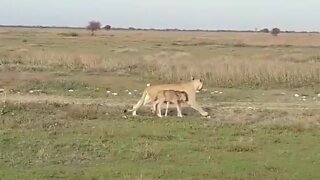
(184, 14)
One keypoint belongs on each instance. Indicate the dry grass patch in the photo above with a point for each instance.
(222, 72)
(222, 59)
(83, 112)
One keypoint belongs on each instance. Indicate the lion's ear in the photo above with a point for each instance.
(192, 78)
(201, 80)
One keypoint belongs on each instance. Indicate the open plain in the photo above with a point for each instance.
(64, 92)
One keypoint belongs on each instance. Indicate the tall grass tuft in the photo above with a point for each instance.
(220, 72)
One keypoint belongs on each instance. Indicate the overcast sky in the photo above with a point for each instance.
(183, 14)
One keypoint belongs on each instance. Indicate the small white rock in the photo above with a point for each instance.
(303, 99)
(129, 93)
(37, 90)
(197, 91)
(318, 95)
(108, 92)
(216, 92)
(125, 117)
(283, 93)
(212, 93)
(135, 90)
(220, 92)
(126, 90)
(30, 91)
(148, 84)
(250, 108)
(71, 90)
(296, 95)
(115, 94)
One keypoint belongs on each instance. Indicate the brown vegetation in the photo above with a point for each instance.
(172, 67)
(222, 59)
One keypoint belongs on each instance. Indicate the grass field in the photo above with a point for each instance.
(60, 119)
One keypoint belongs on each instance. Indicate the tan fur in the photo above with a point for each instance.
(150, 93)
(170, 96)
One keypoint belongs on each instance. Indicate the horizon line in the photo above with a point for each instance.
(155, 29)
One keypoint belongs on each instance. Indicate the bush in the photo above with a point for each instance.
(275, 31)
(265, 30)
(107, 27)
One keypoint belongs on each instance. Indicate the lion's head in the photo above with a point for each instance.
(197, 83)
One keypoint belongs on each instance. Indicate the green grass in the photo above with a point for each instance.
(51, 141)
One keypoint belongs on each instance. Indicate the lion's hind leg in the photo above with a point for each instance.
(159, 114)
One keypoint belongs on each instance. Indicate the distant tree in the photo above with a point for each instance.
(275, 31)
(265, 30)
(94, 26)
(107, 27)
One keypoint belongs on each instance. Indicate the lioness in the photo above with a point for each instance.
(190, 88)
(170, 96)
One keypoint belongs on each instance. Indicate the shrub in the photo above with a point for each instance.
(275, 31)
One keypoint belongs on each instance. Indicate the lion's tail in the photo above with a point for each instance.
(139, 103)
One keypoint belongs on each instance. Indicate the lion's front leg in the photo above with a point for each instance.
(197, 107)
